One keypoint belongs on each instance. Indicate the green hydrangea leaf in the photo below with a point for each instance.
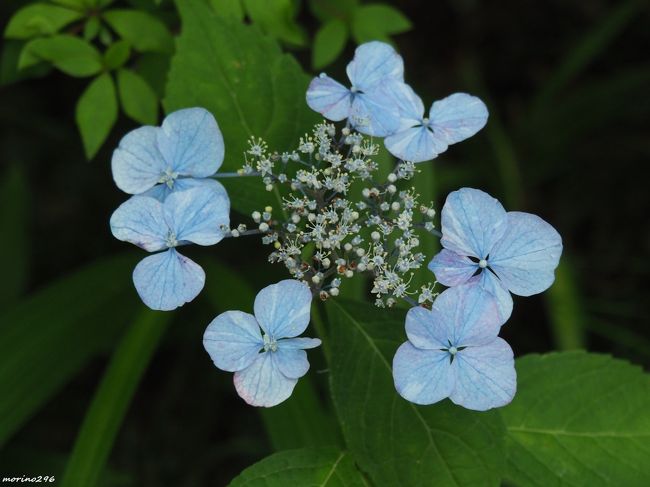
(228, 8)
(96, 113)
(39, 19)
(143, 31)
(329, 42)
(117, 54)
(318, 467)
(250, 86)
(70, 54)
(138, 99)
(325, 10)
(376, 22)
(396, 442)
(578, 419)
(277, 18)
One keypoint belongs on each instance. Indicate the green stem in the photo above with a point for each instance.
(112, 398)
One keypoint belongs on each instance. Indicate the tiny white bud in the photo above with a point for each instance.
(334, 291)
(431, 212)
(347, 247)
(349, 273)
(315, 279)
(295, 218)
(361, 267)
(326, 263)
(355, 215)
(269, 187)
(391, 188)
(268, 209)
(392, 178)
(311, 217)
(375, 236)
(361, 252)
(395, 206)
(365, 193)
(234, 233)
(277, 244)
(264, 227)
(257, 216)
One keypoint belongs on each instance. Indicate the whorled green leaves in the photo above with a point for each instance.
(245, 80)
(318, 467)
(579, 419)
(96, 113)
(396, 442)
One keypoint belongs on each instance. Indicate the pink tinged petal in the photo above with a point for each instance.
(292, 363)
(191, 142)
(472, 222)
(486, 376)
(262, 383)
(168, 280)
(492, 284)
(140, 221)
(301, 343)
(198, 214)
(527, 254)
(423, 331)
(137, 164)
(373, 63)
(415, 144)
(329, 98)
(452, 269)
(283, 309)
(233, 340)
(423, 376)
(457, 117)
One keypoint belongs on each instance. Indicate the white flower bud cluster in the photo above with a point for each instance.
(340, 220)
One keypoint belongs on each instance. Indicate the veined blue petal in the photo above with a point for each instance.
(301, 343)
(491, 283)
(472, 222)
(373, 63)
(329, 98)
(168, 280)
(452, 269)
(467, 315)
(197, 215)
(527, 254)
(374, 113)
(423, 331)
(409, 105)
(191, 142)
(486, 376)
(161, 191)
(457, 117)
(283, 309)
(292, 362)
(233, 340)
(415, 144)
(137, 164)
(423, 376)
(262, 383)
(140, 221)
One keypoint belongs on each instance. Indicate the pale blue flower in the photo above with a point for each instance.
(375, 72)
(168, 279)
(453, 351)
(502, 252)
(450, 120)
(267, 363)
(178, 155)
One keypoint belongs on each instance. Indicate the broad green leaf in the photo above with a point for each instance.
(396, 442)
(142, 30)
(228, 8)
(47, 338)
(138, 99)
(39, 19)
(301, 421)
(325, 10)
(329, 42)
(377, 22)
(578, 419)
(276, 17)
(117, 54)
(112, 398)
(70, 54)
(251, 87)
(96, 113)
(322, 467)
(92, 28)
(14, 218)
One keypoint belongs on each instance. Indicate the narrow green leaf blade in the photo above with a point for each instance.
(377, 22)
(112, 398)
(39, 19)
(117, 54)
(96, 113)
(399, 443)
(329, 42)
(72, 55)
(578, 419)
(323, 467)
(277, 19)
(48, 337)
(142, 30)
(138, 99)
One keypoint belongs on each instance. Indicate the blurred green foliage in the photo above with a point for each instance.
(566, 86)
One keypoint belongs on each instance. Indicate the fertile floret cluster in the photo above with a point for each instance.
(337, 219)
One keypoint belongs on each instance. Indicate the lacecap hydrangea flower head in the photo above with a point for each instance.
(262, 350)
